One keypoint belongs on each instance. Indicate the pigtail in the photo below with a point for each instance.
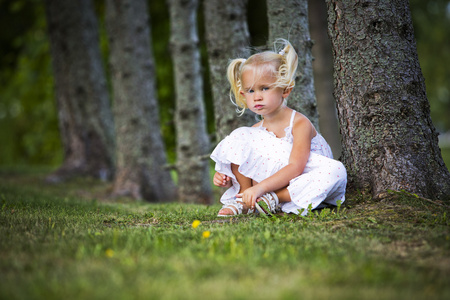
(234, 77)
(289, 62)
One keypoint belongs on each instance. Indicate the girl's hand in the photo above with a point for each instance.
(221, 180)
(250, 195)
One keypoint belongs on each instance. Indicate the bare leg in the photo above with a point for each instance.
(244, 183)
(283, 195)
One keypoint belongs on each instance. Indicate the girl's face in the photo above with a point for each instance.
(260, 93)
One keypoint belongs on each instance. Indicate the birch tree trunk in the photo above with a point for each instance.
(227, 37)
(389, 141)
(141, 156)
(323, 75)
(85, 119)
(194, 182)
(288, 19)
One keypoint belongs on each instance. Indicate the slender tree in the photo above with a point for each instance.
(85, 119)
(289, 19)
(389, 141)
(323, 75)
(194, 182)
(141, 156)
(227, 37)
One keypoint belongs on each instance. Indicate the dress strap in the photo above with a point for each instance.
(291, 122)
(292, 118)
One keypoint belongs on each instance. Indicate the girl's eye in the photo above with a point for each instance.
(265, 88)
(250, 91)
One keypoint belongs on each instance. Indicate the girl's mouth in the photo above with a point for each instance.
(258, 106)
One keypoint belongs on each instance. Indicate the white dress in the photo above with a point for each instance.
(260, 154)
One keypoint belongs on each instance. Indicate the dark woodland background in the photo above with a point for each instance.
(28, 115)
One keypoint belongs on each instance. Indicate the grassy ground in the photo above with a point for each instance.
(71, 242)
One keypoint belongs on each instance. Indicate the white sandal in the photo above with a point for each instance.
(236, 208)
(268, 203)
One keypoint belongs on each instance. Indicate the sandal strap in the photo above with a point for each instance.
(271, 200)
(236, 208)
(275, 197)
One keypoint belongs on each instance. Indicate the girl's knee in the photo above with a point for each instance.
(338, 166)
(340, 171)
(337, 171)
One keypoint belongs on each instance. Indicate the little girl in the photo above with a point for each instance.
(281, 161)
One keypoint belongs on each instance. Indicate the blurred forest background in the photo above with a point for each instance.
(28, 115)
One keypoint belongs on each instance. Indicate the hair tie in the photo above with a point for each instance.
(281, 52)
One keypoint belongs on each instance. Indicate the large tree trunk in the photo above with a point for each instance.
(227, 37)
(194, 183)
(323, 75)
(389, 141)
(141, 156)
(288, 19)
(85, 119)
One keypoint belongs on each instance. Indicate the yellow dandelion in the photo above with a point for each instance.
(196, 223)
(206, 234)
(109, 252)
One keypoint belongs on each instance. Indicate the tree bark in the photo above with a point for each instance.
(227, 37)
(389, 141)
(141, 156)
(288, 19)
(323, 75)
(85, 119)
(194, 183)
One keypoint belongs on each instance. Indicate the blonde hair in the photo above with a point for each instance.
(282, 63)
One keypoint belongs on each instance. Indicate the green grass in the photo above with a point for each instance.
(70, 241)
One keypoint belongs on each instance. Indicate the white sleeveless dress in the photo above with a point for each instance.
(260, 154)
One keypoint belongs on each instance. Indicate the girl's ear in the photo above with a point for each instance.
(287, 91)
(242, 93)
